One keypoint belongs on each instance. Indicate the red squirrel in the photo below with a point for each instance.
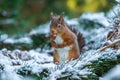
(67, 41)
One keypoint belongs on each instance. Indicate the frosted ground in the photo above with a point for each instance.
(38, 65)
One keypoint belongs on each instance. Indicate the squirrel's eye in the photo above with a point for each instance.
(59, 26)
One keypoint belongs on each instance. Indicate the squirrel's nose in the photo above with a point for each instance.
(53, 33)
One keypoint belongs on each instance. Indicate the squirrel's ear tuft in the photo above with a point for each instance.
(51, 15)
(61, 19)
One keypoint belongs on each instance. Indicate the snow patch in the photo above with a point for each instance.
(10, 74)
(118, 1)
(20, 40)
(97, 17)
(3, 37)
(42, 29)
(113, 74)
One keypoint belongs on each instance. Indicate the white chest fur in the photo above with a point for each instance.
(63, 53)
(58, 40)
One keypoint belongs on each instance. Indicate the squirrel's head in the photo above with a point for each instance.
(57, 26)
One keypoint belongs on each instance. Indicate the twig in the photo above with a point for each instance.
(108, 46)
(111, 35)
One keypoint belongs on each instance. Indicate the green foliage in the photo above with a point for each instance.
(28, 14)
(89, 24)
(41, 40)
(102, 66)
(26, 71)
(67, 78)
(21, 46)
(38, 41)
(90, 77)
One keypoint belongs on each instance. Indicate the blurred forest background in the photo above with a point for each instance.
(20, 16)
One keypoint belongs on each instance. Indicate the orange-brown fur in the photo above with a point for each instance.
(58, 27)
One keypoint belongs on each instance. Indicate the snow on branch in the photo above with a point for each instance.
(108, 46)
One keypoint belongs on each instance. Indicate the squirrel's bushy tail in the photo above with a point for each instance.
(80, 38)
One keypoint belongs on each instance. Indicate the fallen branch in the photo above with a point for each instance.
(108, 46)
